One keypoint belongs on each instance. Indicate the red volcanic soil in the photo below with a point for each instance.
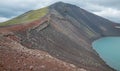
(15, 57)
(22, 27)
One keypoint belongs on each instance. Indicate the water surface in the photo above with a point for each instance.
(109, 50)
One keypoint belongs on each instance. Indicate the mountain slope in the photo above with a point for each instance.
(27, 17)
(24, 59)
(66, 33)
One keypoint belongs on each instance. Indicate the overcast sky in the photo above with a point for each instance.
(109, 9)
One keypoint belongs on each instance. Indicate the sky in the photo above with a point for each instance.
(109, 9)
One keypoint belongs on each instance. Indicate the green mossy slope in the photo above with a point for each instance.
(27, 17)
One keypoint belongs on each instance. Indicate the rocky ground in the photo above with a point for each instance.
(15, 57)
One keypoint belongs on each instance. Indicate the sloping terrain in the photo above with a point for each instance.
(65, 33)
(15, 57)
(27, 17)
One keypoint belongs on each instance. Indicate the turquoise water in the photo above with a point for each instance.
(109, 50)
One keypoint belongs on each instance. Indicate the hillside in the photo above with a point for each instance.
(27, 17)
(63, 31)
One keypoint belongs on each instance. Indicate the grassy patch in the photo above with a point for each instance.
(27, 17)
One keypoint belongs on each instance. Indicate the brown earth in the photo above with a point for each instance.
(15, 57)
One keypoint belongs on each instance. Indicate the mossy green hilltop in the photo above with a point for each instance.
(27, 17)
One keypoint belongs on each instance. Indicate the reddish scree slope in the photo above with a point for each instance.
(15, 57)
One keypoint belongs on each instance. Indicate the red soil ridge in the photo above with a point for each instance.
(22, 27)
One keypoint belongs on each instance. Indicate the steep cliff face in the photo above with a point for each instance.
(66, 33)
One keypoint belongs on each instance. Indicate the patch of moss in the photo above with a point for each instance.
(89, 32)
(27, 17)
